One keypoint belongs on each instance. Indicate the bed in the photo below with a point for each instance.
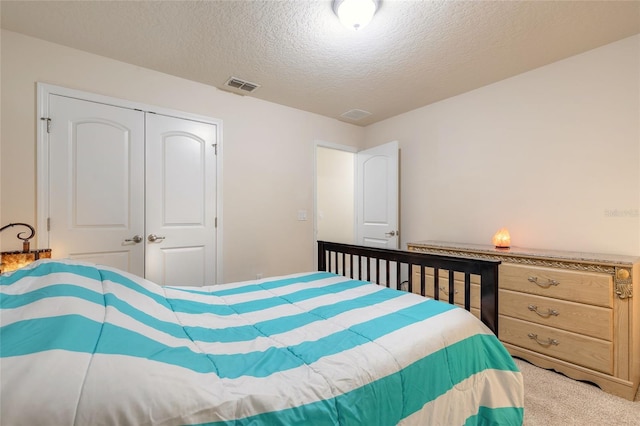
(84, 344)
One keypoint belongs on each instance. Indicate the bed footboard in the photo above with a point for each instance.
(393, 268)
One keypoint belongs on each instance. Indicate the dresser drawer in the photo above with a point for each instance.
(585, 287)
(443, 285)
(592, 353)
(593, 321)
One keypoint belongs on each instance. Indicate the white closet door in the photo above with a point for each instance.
(96, 178)
(180, 201)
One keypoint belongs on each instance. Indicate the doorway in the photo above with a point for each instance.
(335, 194)
(357, 195)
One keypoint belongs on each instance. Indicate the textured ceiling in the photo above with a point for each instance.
(412, 54)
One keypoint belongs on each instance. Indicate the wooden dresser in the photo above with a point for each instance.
(572, 312)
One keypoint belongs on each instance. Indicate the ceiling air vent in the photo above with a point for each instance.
(355, 114)
(239, 84)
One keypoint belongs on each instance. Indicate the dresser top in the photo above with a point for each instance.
(490, 250)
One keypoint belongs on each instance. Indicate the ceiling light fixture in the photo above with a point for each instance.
(355, 14)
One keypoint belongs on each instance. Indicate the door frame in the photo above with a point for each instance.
(42, 154)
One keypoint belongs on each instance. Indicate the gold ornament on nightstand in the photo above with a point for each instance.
(502, 239)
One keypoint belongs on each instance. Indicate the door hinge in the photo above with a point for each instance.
(48, 224)
(48, 120)
(215, 224)
(215, 147)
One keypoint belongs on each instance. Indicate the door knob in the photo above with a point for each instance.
(135, 239)
(153, 238)
(390, 234)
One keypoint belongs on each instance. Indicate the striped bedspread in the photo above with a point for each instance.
(89, 345)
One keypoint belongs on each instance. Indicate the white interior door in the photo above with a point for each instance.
(180, 201)
(96, 178)
(377, 188)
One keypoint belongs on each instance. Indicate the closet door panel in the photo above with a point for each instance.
(100, 174)
(96, 178)
(183, 164)
(176, 260)
(180, 200)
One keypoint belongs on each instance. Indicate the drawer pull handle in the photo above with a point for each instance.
(442, 289)
(549, 342)
(550, 312)
(548, 284)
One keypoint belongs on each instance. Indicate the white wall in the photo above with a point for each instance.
(268, 149)
(335, 195)
(552, 154)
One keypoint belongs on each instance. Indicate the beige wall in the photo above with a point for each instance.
(335, 195)
(552, 154)
(268, 150)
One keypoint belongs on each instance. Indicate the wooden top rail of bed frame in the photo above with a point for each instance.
(332, 258)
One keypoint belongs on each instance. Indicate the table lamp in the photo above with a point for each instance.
(12, 260)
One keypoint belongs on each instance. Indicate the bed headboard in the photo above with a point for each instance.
(393, 268)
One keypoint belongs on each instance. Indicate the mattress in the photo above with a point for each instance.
(91, 345)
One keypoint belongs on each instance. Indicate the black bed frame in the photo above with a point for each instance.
(332, 258)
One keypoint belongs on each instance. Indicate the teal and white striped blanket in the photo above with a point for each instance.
(90, 345)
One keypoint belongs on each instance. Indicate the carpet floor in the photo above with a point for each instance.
(553, 399)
